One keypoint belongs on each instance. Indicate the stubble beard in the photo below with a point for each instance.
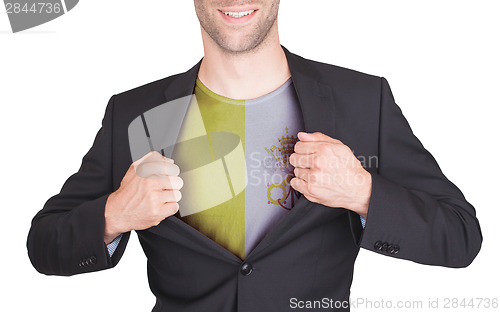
(249, 43)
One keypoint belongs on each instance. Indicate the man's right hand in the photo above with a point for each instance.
(148, 193)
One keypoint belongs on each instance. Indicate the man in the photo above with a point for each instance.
(244, 254)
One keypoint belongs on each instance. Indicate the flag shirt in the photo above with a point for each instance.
(233, 158)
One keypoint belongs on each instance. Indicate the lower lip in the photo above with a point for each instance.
(237, 20)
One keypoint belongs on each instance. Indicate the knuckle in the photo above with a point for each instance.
(141, 170)
(153, 199)
(154, 210)
(172, 208)
(297, 146)
(301, 161)
(170, 182)
(170, 160)
(324, 149)
(177, 195)
(169, 196)
(172, 169)
(345, 149)
(322, 161)
(148, 183)
(144, 166)
(316, 161)
(312, 177)
(179, 182)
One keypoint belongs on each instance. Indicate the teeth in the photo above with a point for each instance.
(239, 14)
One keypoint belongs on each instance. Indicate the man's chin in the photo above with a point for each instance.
(239, 45)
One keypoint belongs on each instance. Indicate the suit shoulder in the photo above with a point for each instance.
(348, 85)
(151, 90)
(339, 74)
(131, 103)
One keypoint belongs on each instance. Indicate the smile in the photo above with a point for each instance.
(239, 14)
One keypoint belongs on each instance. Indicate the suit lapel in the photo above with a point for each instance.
(318, 107)
(318, 110)
(315, 98)
(183, 84)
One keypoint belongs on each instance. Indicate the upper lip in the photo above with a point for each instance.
(238, 9)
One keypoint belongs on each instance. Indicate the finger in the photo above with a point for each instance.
(157, 169)
(172, 169)
(165, 183)
(172, 183)
(152, 156)
(316, 136)
(310, 176)
(298, 184)
(310, 147)
(301, 186)
(143, 158)
(171, 208)
(135, 164)
(301, 173)
(302, 160)
(158, 158)
(170, 196)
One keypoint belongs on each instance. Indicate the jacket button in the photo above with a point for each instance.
(246, 269)
(395, 249)
(384, 246)
(93, 260)
(390, 249)
(378, 245)
(83, 263)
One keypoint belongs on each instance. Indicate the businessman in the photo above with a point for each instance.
(264, 245)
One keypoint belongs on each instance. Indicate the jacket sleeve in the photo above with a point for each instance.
(415, 212)
(67, 236)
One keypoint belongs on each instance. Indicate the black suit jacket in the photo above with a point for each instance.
(415, 212)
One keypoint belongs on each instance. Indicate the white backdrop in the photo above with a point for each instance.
(440, 58)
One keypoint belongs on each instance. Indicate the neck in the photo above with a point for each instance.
(246, 75)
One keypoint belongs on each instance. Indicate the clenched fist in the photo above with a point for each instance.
(327, 172)
(148, 193)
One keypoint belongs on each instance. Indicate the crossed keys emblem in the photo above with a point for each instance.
(281, 155)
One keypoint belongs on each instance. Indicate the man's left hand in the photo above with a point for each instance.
(328, 173)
